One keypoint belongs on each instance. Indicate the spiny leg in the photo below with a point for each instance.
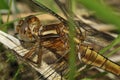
(37, 48)
(32, 51)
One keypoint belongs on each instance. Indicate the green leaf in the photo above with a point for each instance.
(3, 5)
(112, 44)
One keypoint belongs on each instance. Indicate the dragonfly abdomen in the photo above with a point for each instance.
(91, 57)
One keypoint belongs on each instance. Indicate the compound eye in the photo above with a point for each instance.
(29, 19)
(18, 27)
(34, 20)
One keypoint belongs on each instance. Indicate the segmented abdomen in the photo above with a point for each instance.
(89, 56)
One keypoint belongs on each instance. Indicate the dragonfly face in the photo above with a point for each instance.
(28, 28)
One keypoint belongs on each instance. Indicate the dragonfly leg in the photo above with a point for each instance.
(39, 56)
(31, 52)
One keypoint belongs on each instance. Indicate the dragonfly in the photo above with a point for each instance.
(54, 37)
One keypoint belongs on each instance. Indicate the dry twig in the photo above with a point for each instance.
(14, 44)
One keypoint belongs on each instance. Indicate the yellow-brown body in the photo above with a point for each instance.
(55, 38)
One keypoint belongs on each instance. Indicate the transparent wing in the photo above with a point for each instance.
(92, 35)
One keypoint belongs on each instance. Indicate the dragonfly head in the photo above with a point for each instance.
(34, 24)
(28, 28)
